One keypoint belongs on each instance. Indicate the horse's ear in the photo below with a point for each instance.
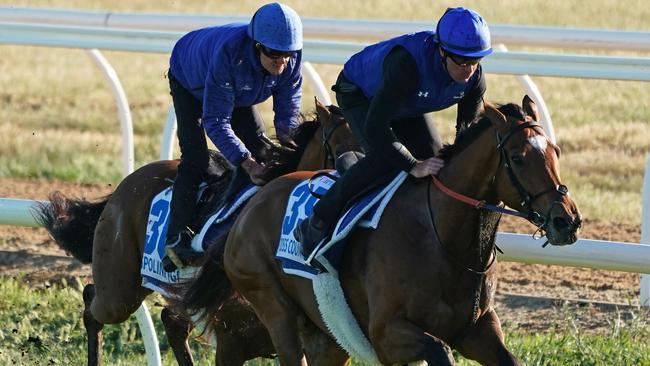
(530, 108)
(323, 113)
(496, 117)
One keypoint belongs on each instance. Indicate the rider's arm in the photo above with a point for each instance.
(286, 99)
(472, 104)
(400, 79)
(218, 104)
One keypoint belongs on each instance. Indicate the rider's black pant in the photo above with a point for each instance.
(417, 134)
(247, 125)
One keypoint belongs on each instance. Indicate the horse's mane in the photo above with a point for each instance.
(285, 160)
(476, 129)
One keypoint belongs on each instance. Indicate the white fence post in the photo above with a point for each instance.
(169, 133)
(149, 337)
(317, 83)
(644, 297)
(124, 112)
(533, 91)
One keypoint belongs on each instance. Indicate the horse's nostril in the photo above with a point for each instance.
(560, 223)
(578, 222)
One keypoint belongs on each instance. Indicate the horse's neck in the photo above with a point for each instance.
(313, 157)
(470, 172)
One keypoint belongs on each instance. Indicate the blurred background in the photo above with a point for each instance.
(58, 117)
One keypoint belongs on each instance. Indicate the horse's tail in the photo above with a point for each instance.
(210, 288)
(71, 222)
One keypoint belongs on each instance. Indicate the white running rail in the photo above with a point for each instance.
(336, 28)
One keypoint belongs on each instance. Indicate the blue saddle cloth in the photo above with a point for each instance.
(365, 212)
(154, 277)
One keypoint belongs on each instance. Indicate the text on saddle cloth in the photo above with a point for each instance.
(366, 212)
(154, 277)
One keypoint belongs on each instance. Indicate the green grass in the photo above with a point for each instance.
(45, 327)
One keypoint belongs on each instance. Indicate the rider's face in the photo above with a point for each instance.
(460, 69)
(273, 61)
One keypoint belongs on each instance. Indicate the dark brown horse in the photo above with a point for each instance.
(423, 281)
(111, 235)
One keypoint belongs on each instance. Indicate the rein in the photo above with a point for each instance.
(474, 202)
(449, 254)
(325, 141)
(476, 302)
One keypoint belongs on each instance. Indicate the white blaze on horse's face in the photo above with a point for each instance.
(539, 142)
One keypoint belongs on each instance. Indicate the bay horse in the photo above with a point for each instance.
(420, 283)
(110, 234)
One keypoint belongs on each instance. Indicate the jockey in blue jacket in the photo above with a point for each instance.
(216, 75)
(383, 92)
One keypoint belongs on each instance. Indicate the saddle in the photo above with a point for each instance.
(364, 210)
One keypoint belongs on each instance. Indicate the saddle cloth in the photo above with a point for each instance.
(154, 277)
(365, 212)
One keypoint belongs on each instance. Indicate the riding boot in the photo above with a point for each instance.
(310, 232)
(179, 251)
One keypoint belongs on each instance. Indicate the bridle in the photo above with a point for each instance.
(541, 221)
(326, 135)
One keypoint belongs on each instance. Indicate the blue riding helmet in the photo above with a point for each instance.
(464, 32)
(276, 26)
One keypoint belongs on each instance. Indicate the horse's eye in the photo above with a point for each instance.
(517, 159)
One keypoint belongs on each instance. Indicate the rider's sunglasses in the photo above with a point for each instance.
(464, 61)
(273, 54)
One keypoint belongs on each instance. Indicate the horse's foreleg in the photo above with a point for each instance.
(178, 330)
(278, 313)
(399, 342)
(93, 328)
(320, 348)
(483, 342)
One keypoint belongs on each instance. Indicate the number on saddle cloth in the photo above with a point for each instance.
(365, 212)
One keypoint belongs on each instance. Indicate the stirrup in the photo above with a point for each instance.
(168, 265)
(180, 252)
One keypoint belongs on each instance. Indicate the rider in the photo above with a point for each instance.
(216, 75)
(383, 92)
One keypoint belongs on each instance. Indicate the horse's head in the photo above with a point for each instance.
(332, 138)
(529, 172)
